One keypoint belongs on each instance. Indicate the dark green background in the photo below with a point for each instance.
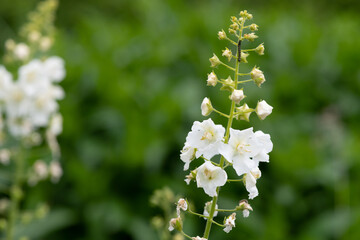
(136, 75)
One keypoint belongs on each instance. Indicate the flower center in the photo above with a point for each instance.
(241, 147)
(208, 173)
(208, 135)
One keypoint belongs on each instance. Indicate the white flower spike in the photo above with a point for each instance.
(209, 177)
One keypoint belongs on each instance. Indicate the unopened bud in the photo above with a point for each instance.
(244, 55)
(260, 49)
(214, 61)
(258, 76)
(253, 27)
(243, 112)
(263, 109)
(228, 84)
(222, 34)
(250, 36)
(206, 107)
(237, 96)
(227, 53)
(234, 26)
(245, 207)
(212, 79)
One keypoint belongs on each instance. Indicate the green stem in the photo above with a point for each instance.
(222, 159)
(222, 114)
(227, 210)
(15, 194)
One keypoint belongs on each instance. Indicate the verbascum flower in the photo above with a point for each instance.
(209, 177)
(263, 109)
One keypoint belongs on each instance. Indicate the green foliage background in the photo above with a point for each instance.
(136, 75)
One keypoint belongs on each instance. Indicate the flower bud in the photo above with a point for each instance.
(263, 109)
(245, 207)
(212, 79)
(232, 31)
(228, 84)
(237, 96)
(253, 27)
(244, 55)
(214, 61)
(243, 112)
(234, 26)
(206, 107)
(260, 49)
(258, 76)
(233, 19)
(222, 35)
(227, 53)
(175, 223)
(250, 36)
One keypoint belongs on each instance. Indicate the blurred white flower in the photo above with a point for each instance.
(22, 51)
(41, 169)
(54, 68)
(206, 137)
(5, 82)
(181, 205)
(5, 156)
(209, 177)
(32, 77)
(55, 171)
(242, 146)
(56, 124)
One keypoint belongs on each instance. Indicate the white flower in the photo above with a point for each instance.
(198, 238)
(32, 77)
(266, 147)
(237, 96)
(41, 169)
(187, 155)
(19, 127)
(55, 171)
(207, 209)
(241, 148)
(212, 79)
(5, 156)
(5, 82)
(56, 123)
(21, 51)
(181, 204)
(209, 177)
(54, 68)
(230, 223)
(250, 182)
(206, 137)
(206, 107)
(17, 101)
(263, 109)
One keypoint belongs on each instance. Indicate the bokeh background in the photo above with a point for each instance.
(136, 75)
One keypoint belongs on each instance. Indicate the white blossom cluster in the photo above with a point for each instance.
(30, 102)
(244, 151)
